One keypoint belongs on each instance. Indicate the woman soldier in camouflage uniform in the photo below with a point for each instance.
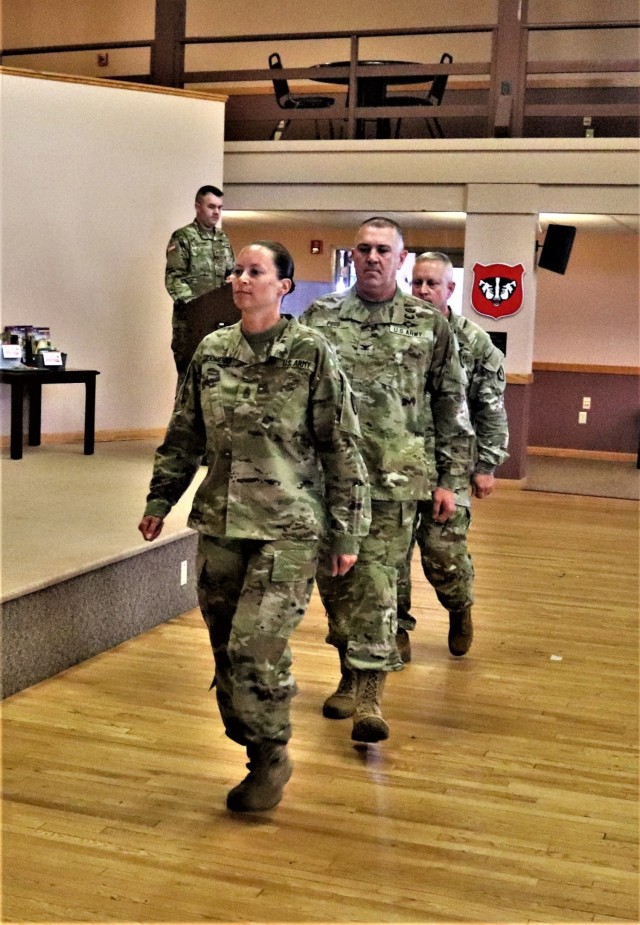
(269, 403)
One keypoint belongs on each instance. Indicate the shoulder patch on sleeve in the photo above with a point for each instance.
(493, 360)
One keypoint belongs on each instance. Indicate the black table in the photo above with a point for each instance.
(30, 380)
(372, 90)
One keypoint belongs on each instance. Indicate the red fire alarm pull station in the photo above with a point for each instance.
(316, 247)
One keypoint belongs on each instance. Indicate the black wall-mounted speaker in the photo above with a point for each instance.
(556, 249)
(499, 340)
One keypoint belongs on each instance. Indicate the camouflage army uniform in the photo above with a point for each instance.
(445, 557)
(401, 359)
(198, 260)
(277, 417)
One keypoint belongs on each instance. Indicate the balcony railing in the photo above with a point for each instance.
(505, 95)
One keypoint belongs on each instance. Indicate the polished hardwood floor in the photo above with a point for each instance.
(508, 791)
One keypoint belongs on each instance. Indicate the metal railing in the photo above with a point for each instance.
(497, 112)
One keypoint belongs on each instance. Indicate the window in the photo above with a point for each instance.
(345, 277)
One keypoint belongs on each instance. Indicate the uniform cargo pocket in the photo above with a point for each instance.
(297, 563)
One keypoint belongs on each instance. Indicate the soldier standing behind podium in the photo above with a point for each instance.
(199, 259)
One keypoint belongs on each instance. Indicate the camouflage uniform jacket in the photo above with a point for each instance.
(198, 260)
(281, 436)
(401, 359)
(483, 363)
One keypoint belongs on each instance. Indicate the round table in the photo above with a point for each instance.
(372, 90)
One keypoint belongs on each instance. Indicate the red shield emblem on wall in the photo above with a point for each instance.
(497, 289)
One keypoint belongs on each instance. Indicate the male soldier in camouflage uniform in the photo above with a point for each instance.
(445, 557)
(277, 417)
(199, 259)
(401, 359)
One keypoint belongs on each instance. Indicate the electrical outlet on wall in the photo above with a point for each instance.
(586, 403)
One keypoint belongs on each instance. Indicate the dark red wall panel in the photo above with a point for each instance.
(613, 422)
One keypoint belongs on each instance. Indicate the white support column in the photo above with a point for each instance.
(501, 227)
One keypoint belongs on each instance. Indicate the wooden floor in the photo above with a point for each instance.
(507, 792)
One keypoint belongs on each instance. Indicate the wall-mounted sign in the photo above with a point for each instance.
(497, 289)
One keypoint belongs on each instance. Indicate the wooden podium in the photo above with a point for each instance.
(207, 313)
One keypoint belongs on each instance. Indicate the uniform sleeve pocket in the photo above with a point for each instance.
(216, 411)
(349, 410)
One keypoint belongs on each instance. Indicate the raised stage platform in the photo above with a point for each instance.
(77, 577)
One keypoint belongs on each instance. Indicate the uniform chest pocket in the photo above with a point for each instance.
(201, 252)
(283, 397)
(404, 370)
(264, 395)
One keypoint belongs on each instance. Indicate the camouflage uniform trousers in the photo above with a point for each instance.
(361, 605)
(446, 562)
(253, 594)
(179, 341)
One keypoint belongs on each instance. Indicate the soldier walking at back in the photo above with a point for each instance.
(444, 552)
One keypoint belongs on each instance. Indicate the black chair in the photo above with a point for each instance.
(432, 98)
(286, 100)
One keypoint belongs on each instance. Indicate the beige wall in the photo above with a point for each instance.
(32, 22)
(66, 22)
(293, 16)
(591, 314)
(84, 21)
(596, 44)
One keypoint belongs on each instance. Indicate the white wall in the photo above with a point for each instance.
(94, 180)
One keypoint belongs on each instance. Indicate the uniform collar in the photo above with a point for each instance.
(204, 232)
(281, 346)
(392, 311)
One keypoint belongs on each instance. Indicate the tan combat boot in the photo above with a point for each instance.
(342, 702)
(368, 724)
(269, 770)
(460, 631)
(403, 643)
